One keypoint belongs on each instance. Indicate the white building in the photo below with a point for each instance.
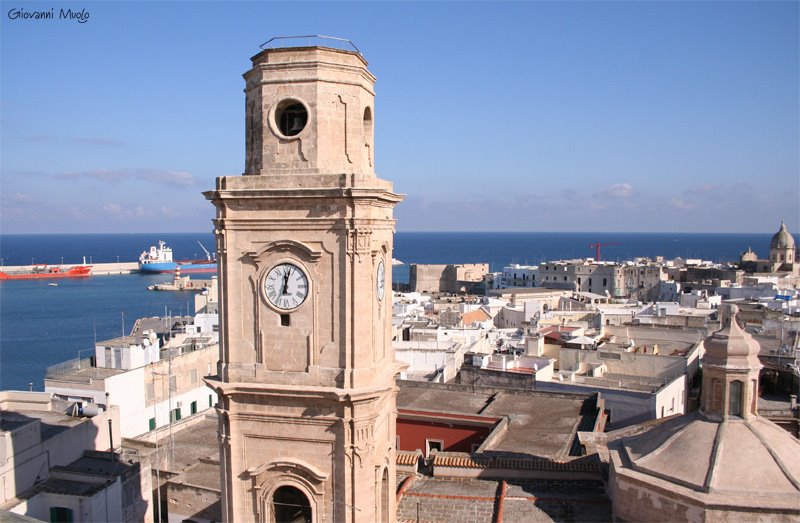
(52, 467)
(516, 275)
(154, 374)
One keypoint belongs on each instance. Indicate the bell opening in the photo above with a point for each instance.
(291, 119)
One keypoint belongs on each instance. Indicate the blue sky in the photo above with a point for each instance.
(521, 116)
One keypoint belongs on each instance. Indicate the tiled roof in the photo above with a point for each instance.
(476, 315)
(407, 457)
(459, 460)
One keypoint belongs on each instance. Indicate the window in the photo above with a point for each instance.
(193, 376)
(433, 445)
(291, 117)
(290, 505)
(61, 515)
(210, 401)
(193, 407)
(385, 497)
(175, 415)
(152, 424)
(173, 383)
(735, 399)
(367, 124)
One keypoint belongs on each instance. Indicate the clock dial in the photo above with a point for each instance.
(380, 280)
(286, 286)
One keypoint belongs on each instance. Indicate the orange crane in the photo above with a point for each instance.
(596, 246)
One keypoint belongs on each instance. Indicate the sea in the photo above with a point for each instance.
(43, 325)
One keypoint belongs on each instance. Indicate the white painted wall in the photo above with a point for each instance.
(27, 457)
(671, 399)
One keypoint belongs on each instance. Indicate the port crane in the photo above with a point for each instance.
(597, 245)
(208, 254)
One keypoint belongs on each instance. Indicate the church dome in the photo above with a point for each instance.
(741, 459)
(723, 462)
(782, 239)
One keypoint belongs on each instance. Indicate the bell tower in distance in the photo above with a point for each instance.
(306, 377)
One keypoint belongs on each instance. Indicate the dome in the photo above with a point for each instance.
(741, 459)
(782, 239)
(721, 463)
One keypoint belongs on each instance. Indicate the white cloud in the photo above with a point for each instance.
(618, 190)
(21, 198)
(157, 176)
(678, 203)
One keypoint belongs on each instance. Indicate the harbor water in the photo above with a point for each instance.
(42, 325)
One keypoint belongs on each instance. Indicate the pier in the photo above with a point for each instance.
(98, 269)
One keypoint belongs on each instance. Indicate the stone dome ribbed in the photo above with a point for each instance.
(782, 239)
(741, 459)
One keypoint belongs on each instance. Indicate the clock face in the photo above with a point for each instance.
(286, 286)
(380, 280)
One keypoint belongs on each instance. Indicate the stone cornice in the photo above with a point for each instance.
(299, 391)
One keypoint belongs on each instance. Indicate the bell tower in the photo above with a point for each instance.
(306, 377)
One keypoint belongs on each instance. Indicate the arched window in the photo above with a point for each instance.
(735, 399)
(385, 496)
(290, 505)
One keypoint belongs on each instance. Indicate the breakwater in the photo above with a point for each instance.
(98, 269)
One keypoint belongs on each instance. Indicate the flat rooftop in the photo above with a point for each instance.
(160, 326)
(85, 375)
(52, 422)
(540, 424)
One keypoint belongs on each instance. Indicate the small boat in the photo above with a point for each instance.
(53, 284)
(159, 260)
(47, 272)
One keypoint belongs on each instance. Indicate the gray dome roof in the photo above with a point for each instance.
(736, 458)
(782, 239)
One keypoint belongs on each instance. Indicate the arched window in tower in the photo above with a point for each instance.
(290, 505)
(367, 125)
(368, 134)
(385, 497)
(735, 399)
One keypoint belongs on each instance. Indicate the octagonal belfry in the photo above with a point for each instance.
(309, 111)
(306, 376)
